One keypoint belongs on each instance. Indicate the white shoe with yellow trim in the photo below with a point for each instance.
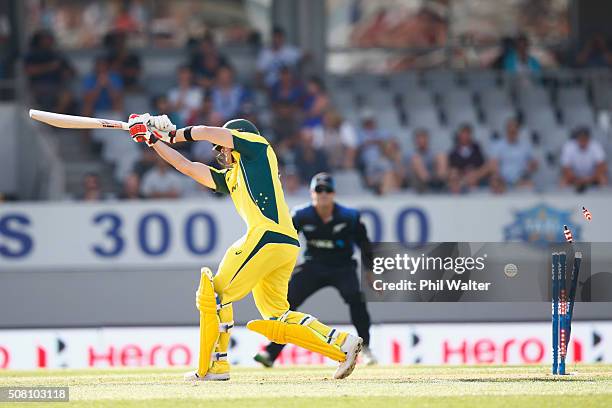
(351, 346)
(193, 376)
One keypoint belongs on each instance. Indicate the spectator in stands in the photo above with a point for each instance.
(185, 98)
(338, 139)
(161, 181)
(228, 97)
(103, 89)
(583, 162)
(429, 168)
(519, 60)
(207, 61)
(392, 27)
(249, 112)
(506, 46)
(127, 64)
(376, 167)
(285, 127)
(131, 17)
(468, 169)
(286, 97)
(316, 102)
(399, 165)
(147, 162)
(204, 153)
(307, 158)
(292, 183)
(8, 48)
(287, 88)
(91, 188)
(6, 197)
(279, 54)
(595, 53)
(161, 106)
(131, 188)
(49, 73)
(206, 114)
(512, 162)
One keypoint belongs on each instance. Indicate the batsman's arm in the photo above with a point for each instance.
(197, 171)
(213, 134)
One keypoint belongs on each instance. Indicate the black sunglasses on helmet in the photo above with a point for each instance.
(323, 189)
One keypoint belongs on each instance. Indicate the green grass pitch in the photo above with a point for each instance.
(372, 387)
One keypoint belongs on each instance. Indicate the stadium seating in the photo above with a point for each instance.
(480, 80)
(417, 97)
(579, 115)
(549, 106)
(349, 183)
(403, 82)
(494, 98)
(532, 96)
(426, 116)
(440, 80)
(572, 97)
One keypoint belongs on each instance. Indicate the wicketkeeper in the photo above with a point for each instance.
(261, 261)
(331, 231)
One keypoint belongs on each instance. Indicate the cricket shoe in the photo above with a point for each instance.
(368, 357)
(264, 359)
(351, 346)
(193, 376)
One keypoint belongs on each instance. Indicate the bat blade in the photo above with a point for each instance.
(76, 122)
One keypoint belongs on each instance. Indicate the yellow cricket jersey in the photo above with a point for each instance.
(253, 183)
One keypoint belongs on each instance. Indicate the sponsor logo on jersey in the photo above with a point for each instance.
(321, 243)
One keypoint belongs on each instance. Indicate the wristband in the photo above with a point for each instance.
(187, 134)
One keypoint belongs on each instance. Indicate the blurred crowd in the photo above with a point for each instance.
(300, 120)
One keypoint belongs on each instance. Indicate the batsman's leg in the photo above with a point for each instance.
(304, 282)
(206, 303)
(220, 368)
(285, 326)
(217, 326)
(244, 264)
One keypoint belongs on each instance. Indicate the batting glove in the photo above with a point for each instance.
(138, 129)
(162, 128)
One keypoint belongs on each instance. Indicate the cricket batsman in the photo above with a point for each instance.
(261, 261)
(331, 231)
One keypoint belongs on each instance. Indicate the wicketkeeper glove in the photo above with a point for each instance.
(162, 128)
(138, 129)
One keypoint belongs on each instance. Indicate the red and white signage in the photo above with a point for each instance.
(436, 344)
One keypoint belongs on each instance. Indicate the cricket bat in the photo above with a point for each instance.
(76, 122)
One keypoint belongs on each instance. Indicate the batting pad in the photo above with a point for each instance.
(209, 320)
(283, 333)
